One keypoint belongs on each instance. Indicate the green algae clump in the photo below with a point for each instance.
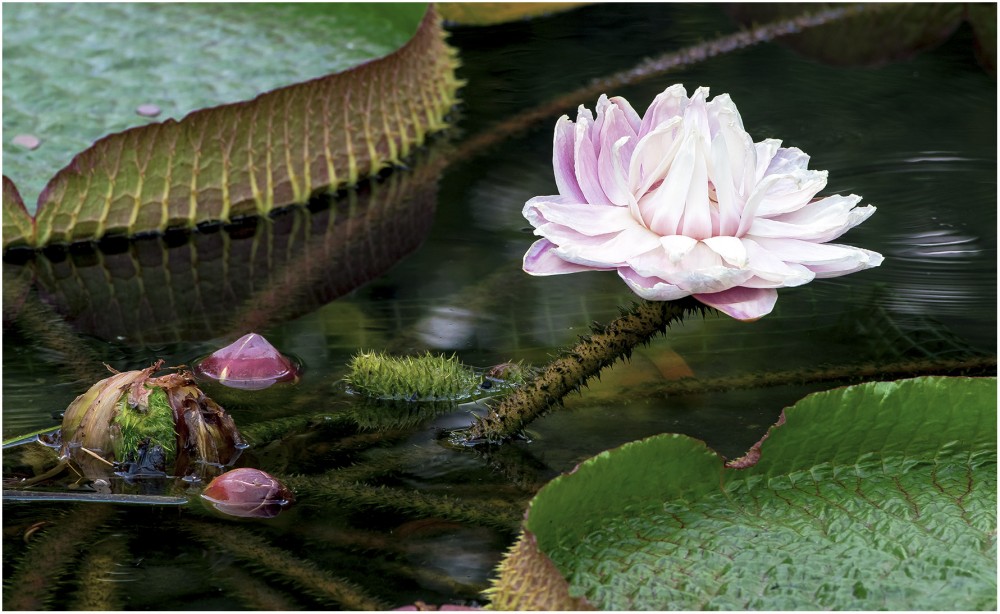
(412, 378)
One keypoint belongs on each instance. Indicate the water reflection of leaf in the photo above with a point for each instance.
(901, 475)
(232, 279)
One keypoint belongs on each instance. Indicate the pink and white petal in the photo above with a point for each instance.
(631, 116)
(812, 254)
(617, 144)
(665, 259)
(721, 111)
(564, 159)
(653, 155)
(533, 209)
(540, 259)
(663, 207)
(650, 288)
(835, 209)
(742, 155)
(677, 247)
(824, 271)
(773, 268)
(590, 220)
(696, 116)
(786, 160)
(667, 104)
(587, 175)
(816, 224)
(702, 270)
(697, 219)
(613, 249)
(747, 304)
(749, 215)
(791, 192)
(731, 249)
(721, 177)
(766, 150)
(599, 115)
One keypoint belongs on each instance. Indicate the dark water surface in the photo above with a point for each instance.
(420, 263)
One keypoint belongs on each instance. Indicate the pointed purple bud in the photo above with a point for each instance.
(250, 363)
(248, 493)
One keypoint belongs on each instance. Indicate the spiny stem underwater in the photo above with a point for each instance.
(574, 367)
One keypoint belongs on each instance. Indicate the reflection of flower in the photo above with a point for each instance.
(683, 202)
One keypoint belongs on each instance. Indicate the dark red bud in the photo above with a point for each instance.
(248, 493)
(250, 363)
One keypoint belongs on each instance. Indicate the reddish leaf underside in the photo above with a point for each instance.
(251, 157)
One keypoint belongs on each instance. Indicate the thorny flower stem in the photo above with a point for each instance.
(575, 366)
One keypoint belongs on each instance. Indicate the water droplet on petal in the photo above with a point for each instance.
(250, 363)
(28, 141)
(248, 493)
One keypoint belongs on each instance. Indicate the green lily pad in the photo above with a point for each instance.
(93, 69)
(877, 496)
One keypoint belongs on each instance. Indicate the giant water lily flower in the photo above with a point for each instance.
(682, 202)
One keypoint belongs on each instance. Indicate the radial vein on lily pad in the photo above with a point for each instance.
(682, 202)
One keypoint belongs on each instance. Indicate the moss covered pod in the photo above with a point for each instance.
(134, 424)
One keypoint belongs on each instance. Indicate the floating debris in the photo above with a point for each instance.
(28, 141)
(147, 110)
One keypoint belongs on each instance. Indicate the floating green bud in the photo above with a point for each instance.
(412, 378)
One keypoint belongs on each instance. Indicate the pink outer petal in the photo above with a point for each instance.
(590, 220)
(746, 304)
(786, 160)
(601, 251)
(540, 259)
(631, 116)
(651, 288)
(668, 104)
(585, 157)
(563, 160)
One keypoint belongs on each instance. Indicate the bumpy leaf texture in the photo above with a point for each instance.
(877, 496)
(252, 157)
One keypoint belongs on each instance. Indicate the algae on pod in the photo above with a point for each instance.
(136, 424)
(424, 378)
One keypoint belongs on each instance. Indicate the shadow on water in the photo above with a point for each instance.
(388, 512)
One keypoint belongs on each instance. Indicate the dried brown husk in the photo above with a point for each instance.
(207, 437)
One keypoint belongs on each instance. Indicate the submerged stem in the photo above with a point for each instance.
(574, 367)
(304, 574)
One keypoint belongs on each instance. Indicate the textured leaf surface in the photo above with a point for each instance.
(17, 223)
(251, 157)
(877, 496)
(87, 71)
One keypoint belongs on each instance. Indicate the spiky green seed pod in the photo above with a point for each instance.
(412, 378)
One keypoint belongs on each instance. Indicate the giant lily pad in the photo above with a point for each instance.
(877, 496)
(242, 158)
